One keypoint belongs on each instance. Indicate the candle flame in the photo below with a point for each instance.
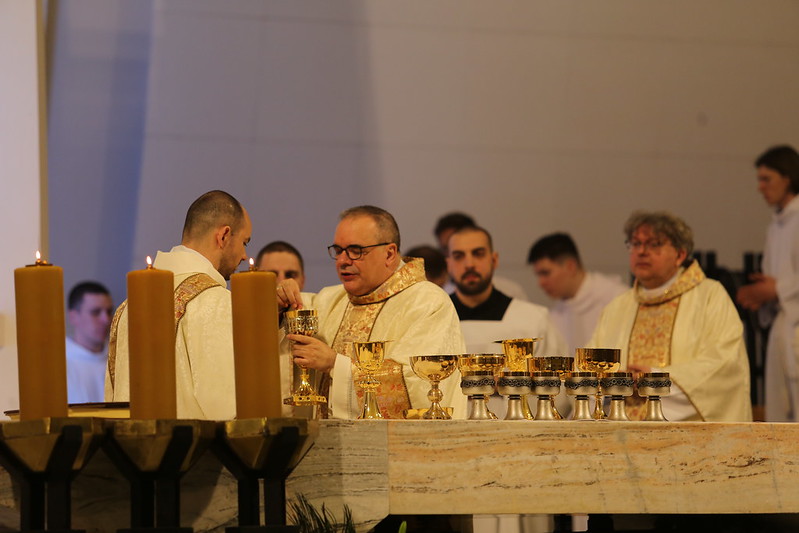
(38, 255)
(149, 262)
(252, 263)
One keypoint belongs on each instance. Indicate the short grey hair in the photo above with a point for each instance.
(663, 224)
(386, 225)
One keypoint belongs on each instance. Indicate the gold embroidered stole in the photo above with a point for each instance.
(650, 338)
(188, 289)
(356, 326)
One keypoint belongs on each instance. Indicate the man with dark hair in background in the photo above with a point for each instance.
(452, 222)
(435, 263)
(284, 260)
(90, 309)
(579, 295)
(775, 292)
(215, 237)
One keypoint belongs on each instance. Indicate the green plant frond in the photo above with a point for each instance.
(309, 519)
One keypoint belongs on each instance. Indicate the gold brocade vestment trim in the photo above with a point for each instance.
(188, 289)
(650, 338)
(356, 326)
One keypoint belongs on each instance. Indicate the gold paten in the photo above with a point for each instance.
(33, 441)
(434, 368)
(144, 442)
(251, 438)
(96, 409)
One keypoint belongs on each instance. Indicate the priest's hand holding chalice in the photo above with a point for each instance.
(305, 323)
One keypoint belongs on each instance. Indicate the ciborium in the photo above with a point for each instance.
(475, 370)
(435, 369)
(517, 353)
(303, 322)
(581, 385)
(516, 386)
(553, 363)
(617, 385)
(599, 360)
(653, 386)
(546, 385)
(368, 358)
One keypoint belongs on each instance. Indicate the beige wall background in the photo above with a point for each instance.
(533, 116)
(21, 203)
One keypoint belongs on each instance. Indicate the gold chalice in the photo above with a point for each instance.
(517, 352)
(479, 372)
(303, 322)
(434, 368)
(553, 363)
(653, 385)
(368, 357)
(599, 360)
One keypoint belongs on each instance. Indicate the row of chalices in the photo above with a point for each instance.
(515, 374)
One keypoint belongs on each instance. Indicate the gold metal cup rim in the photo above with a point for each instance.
(296, 313)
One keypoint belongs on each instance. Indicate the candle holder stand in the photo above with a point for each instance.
(153, 455)
(259, 448)
(43, 456)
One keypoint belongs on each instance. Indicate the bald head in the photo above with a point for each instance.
(210, 211)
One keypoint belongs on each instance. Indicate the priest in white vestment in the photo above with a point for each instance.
(579, 295)
(382, 298)
(676, 320)
(775, 292)
(215, 237)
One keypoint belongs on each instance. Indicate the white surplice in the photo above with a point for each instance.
(577, 317)
(781, 261)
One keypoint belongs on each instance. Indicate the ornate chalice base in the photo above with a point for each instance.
(618, 385)
(581, 385)
(368, 357)
(303, 322)
(478, 385)
(434, 368)
(516, 386)
(599, 360)
(546, 385)
(479, 362)
(653, 386)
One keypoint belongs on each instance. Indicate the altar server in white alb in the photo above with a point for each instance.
(487, 314)
(775, 292)
(90, 312)
(676, 320)
(579, 295)
(382, 297)
(215, 237)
